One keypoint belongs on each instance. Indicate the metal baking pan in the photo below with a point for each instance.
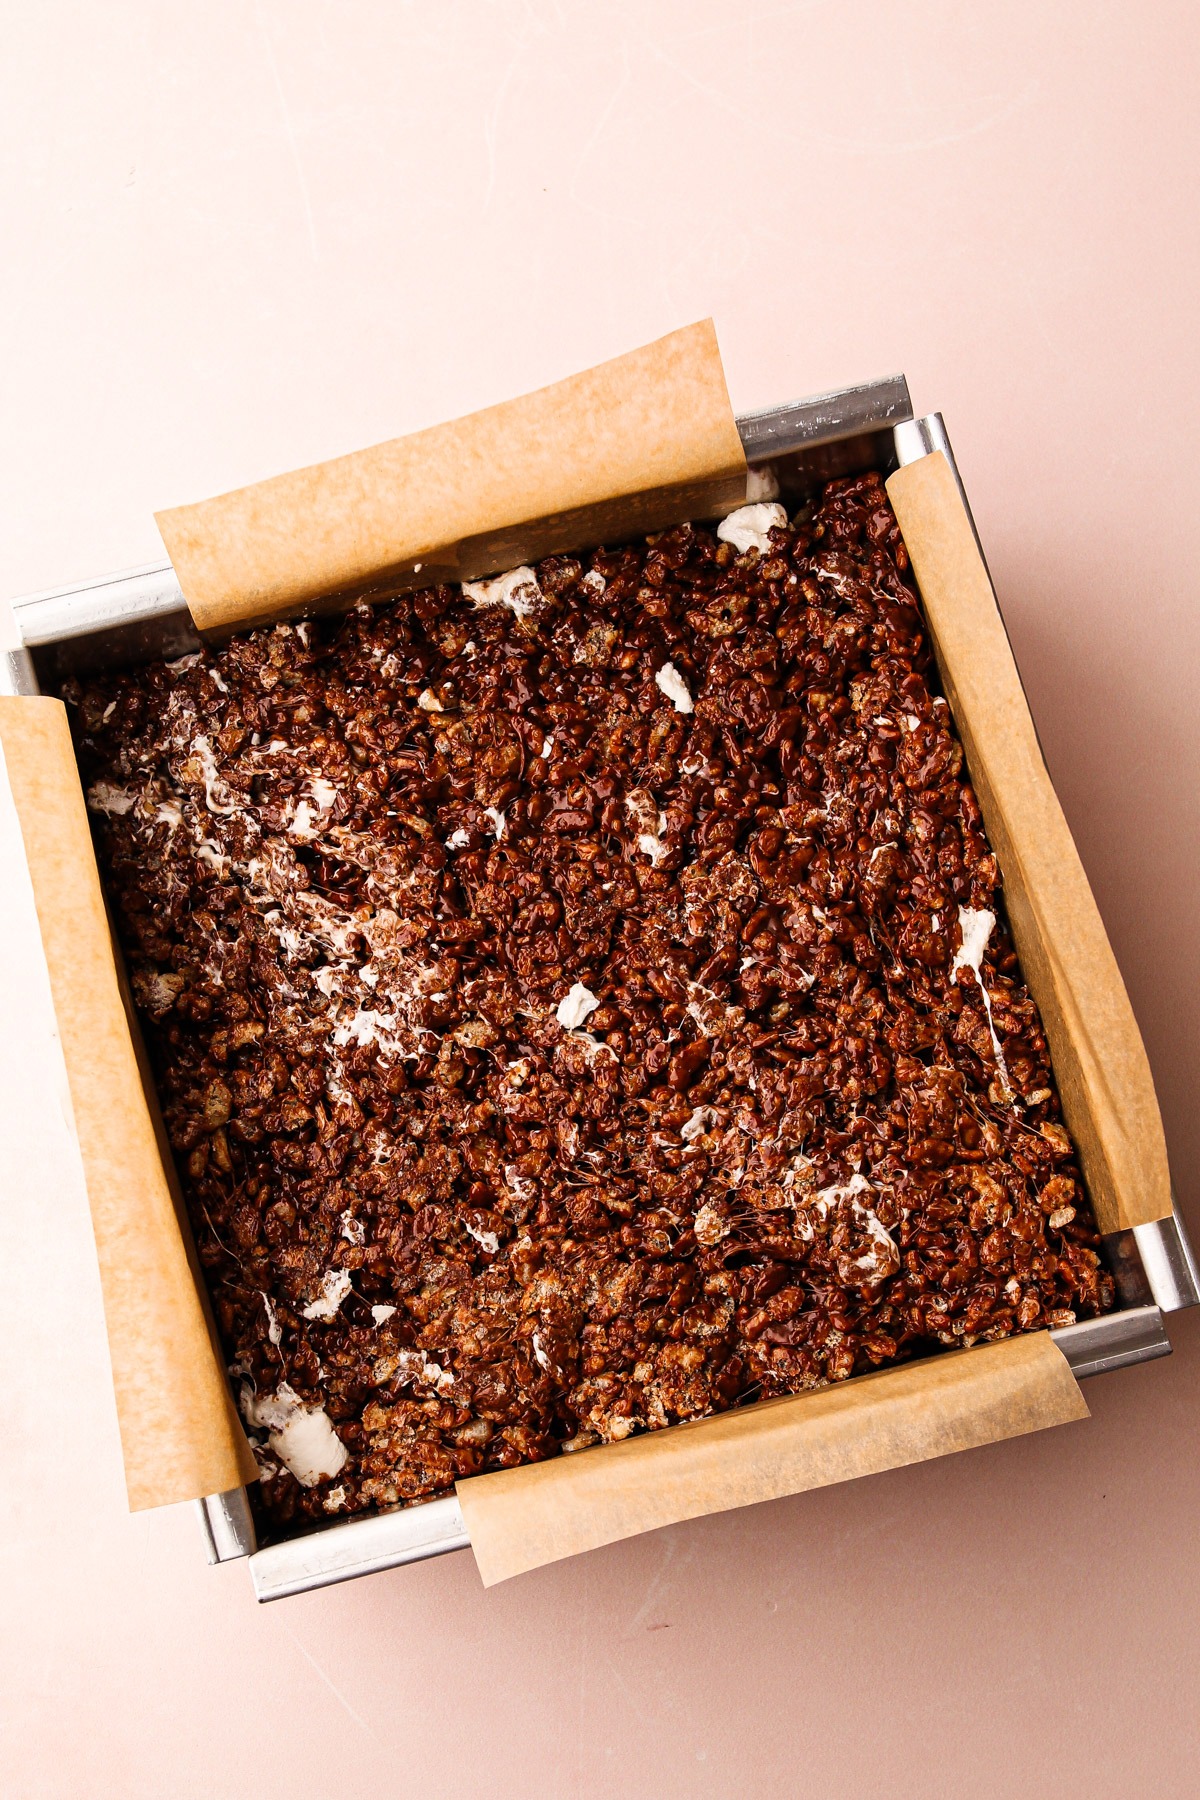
(140, 616)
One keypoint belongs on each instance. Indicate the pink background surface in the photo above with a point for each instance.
(242, 237)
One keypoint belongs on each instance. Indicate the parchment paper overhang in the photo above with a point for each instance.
(519, 1519)
(626, 448)
(1099, 1059)
(180, 1435)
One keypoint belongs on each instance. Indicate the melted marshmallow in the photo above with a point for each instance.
(301, 1436)
(418, 1365)
(747, 528)
(881, 1258)
(576, 1006)
(674, 687)
(650, 823)
(217, 796)
(313, 810)
(977, 925)
(274, 1328)
(518, 590)
(334, 1288)
(367, 1025)
(213, 855)
(850, 1190)
(762, 484)
(519, 1185)
(702, 1120)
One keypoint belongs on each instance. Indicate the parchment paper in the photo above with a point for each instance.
(625, 448)
(180, 1435)
(1099, 1060)
(519, 1519)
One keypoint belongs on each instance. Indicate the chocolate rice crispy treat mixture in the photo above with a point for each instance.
(581, 1002)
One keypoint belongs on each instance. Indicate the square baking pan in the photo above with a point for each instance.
(141, 616)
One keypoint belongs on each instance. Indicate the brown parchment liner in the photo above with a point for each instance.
(519, 1519)
(180, 1434)
(1099, 1059)
(238, 560)
(621, 450)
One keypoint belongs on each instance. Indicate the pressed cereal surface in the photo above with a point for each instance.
(581, 1003)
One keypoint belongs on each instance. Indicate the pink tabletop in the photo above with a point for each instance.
(239, 238)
